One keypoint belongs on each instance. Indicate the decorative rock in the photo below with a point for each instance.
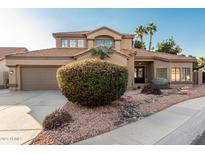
(129, 113)
(183, 92)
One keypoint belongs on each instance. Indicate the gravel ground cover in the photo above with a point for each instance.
(89, 122)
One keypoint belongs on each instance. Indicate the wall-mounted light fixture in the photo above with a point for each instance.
(11, 72)
(188, 77)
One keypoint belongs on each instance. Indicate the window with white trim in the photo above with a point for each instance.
(73, 43)
(64, 43)
(80, 43)
(186, 74)
(162, 73)
(175, 74)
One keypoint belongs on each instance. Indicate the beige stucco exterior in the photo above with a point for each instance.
(119, 42)
(130, 60)
(200, 73)
(3, 74)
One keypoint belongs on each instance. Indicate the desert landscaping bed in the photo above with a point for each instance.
(88, 122)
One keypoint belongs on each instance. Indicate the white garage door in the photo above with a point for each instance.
(39, 78)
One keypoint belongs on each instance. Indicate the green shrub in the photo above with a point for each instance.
(151, 89)
(92, 82)
(161, 82)
(56, 119)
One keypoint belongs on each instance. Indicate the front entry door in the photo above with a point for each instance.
(139, 74)
(203, 77)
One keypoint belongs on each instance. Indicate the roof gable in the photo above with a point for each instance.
(104, 27)
(104, 31)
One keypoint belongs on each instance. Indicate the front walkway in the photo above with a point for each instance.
(22, 112)
(179, 124)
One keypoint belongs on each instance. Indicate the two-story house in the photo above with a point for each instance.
(36, 70)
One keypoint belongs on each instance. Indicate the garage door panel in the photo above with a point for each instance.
(37, 78)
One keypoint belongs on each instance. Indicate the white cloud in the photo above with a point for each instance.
(18, 29)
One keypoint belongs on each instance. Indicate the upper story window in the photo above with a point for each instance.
(104, 42)
(73, 43)
(80, 43)
(64, 43)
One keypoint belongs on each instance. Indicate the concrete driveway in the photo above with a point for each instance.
(22, 113)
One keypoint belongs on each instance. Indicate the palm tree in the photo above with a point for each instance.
(102, 51)
(140, 32)
(151, 29)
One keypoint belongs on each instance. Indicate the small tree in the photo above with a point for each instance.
(102, 51)
(139, 44)
(169, 46)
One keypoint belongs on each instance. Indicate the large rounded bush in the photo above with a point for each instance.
(92, 82)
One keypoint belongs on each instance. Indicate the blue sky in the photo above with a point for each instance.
(33, 28)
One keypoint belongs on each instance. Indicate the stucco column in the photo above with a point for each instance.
(200, 74)
(90, 44)
(131, 69)
(12, 78)
(117, 44)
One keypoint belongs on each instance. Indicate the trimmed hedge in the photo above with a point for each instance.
(92, 82)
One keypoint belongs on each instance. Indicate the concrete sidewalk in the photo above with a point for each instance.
(179, 124)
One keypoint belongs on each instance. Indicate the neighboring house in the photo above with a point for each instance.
(4, 70)
(200, 74)
(36, 70)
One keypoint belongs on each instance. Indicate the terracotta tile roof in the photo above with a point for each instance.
(4, 51)
(75, 32)
(59, 52)
(140, 53)
(117, 51)
(81, 33)
(51, 52)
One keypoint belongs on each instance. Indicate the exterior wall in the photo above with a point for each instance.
(38, 61)
(58, 41)
(162, 64)
(13, 78)
(170, 65)
(15, 68)
(117, 45)
(104, 32)
(200, 75)
(3, 74)
(114, 58)
(126, 44)
(149, 72)
(131, 67)
(90, 44)
(152, 66)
